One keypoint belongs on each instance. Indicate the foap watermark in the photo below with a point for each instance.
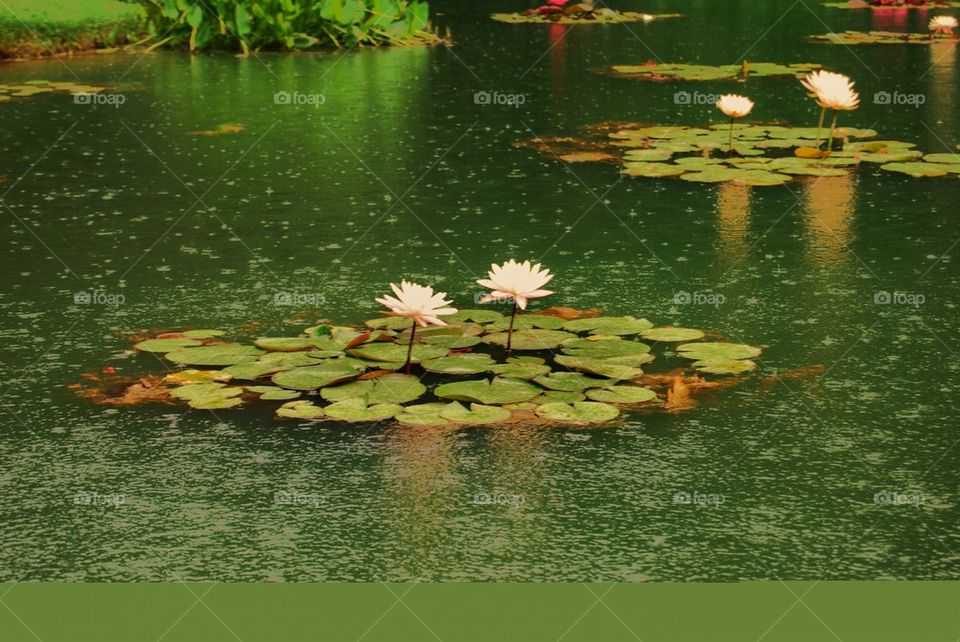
(98, 297)
(698, 298)
(298, 98)
(899, 298)
(88, 498)
(479, 297)
(314, 299)
(896, 498)
(898, 99)
(699, 499)
(296, 498)
(99, 99)
(498, 498)
(694, 98)
(499, 98)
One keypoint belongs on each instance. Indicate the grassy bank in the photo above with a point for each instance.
(31, 28)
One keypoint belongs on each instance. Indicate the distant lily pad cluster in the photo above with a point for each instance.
(849, 38)
(862, 4)
(595, 16)
(675, 71)
(579, 371)
(34, 87)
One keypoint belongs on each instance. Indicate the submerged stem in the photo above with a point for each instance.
(513, 315)
(413, 333)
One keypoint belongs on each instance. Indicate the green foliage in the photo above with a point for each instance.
(34, 28)
(289, 25)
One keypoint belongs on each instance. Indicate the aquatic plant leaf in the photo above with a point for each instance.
(202, 334)
(426, 414)
(724, 366)
(397, 353)
(527, 321)
(301, 409)
(391, 388)
(603, 348)
(717, 351)
(618, 326)
(357, 410)
(647, 155)
(520, 370)
(952, 159)
(651, 169)
(185, 377)
(601, 15)
(622, 394)
(477, 316)
(464, 364)
(918, 170)
(452, 342)
(273, 393)
(599, 367)
(165, 345)
(476, 414)
(222, 354)
(284, 344)
(565, 396)
(209, 396)
(579, 412)
(533, 339)
(499, 391)
(389, 323)
(571, 381)
(669, 333)
(326, 373)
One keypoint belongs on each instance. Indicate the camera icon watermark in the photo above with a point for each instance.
(303, 299)
(298, 98)
(497, 498)
(478, 298)
(296, 498)
(98, 99)
(698, 298)
(899, 99)
(98, 297)
(87, 498)
(499, 98)
(694, 98)
(914, 299)
(896, 498)
(699, 499)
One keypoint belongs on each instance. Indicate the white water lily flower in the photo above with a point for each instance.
(832, 90)
(734, 105)
(417, 302)
(943, 24)
(517, 281)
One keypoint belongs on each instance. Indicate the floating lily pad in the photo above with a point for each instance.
(565, 396)
(724, 366)
(604, 348)
(165, 345)
(719, 351)
(391, 388)
(426, 414)
(617, 326)
(672, 71)
(599, 367)
(284, 344)
(527, 321)
(652, 170)
(520, 370)
(397, 353)
(273, 393)
(476, 414)
(464, 364)
(202, 334)
(669, 333)
(356, 410)
(209, 396)
(185, 377)
(301, 409)
(600, 15)
(530, 339)
(850, 38)
(452, 342)
(477, 316)
(653, 154)
(579, 412)
(499, 391)
(918, 170)
(622, 394)
(389, 323)
(952, 159)
(571, 381)
(224, 354)
(313, 377)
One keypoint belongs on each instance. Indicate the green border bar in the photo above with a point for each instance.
(754, 612)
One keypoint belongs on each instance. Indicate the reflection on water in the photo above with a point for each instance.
(829, 203)
(733, 220)
(890, 18)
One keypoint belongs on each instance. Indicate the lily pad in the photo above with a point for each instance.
(918, 170)
(224, 354)
(452, 342)
(520, 370)
(952, 159)
(603, 348)
(617, 326)
(313, 377)
(397, 353)
(476, 414)
(669, 333)
(186, 377)
(476, 316)
(719, 351)
(209, 396)
(391, 388)
(527, 321)
(284, 344)
(566, 396)
(202, 334)
(599, 367)
(571, 381)
(273, 393)
(533, 339)
(622, 394)
(651, 169)
(389, 323)
(724, 366)
(165, 345)
(301, 409)
(464, 364)
(579, 412)
(499, 391)
(426, 414)
(357, 410)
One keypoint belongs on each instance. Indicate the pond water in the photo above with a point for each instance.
(846, 473)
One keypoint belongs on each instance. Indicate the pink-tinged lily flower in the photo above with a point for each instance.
(518, 281)
(831, 91)
(557, 3)
(943, 25)
(418, 303)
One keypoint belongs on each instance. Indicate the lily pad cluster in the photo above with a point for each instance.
(862, 4)
(848, 38)
(743, 71)
(34, 87)
(580, 371)
(596, 16)
(762, 155)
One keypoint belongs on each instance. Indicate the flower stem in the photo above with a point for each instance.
(413, 333)
(730, 138)
(823, 113)
(513, 315)
(833, 126)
